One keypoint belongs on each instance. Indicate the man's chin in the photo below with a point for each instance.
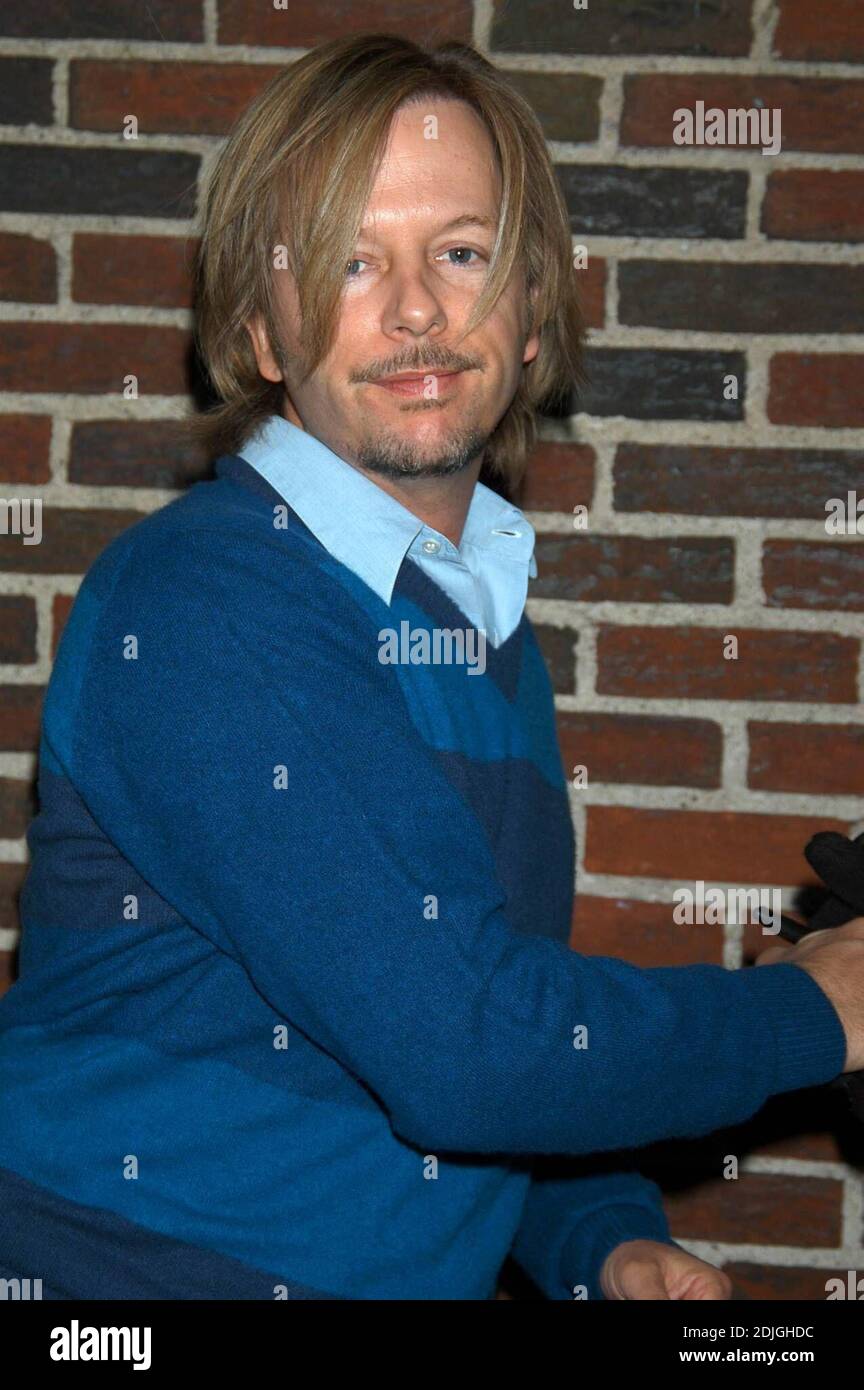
(392, 456)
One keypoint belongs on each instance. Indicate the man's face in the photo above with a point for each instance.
(408, 294)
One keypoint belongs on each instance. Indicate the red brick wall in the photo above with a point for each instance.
(706, 516)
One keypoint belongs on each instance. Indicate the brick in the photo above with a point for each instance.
(8, 971)
(611, 200)
(169, 21)
(748, 297)
(20, 715)
(149, 270)
(25, 441)
(135, 453)
(566, 104)
(820, 33)
(11, 880)
(635, 569)
(814, 759)
(816, 388)
(559, 477)
(591, 283)
(61, 607)
(704, 481)
(814, 574)
(756, 1208)
(28, 269)
(58, 179)
(776, 1283)
(653, 750)
(17, 627)
(815, 205)
(677, 26)
(17, 807)
(738, 847)
(25, 91)
(819, 114)
(642, 933)
(558, 647)
(72, 537)
(167, 98)
(305, 23)
(94, 358)
(663, 384)
(687, 663)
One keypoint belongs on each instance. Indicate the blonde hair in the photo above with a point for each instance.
(297, 171)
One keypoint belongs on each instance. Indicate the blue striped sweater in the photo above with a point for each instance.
(296, 1012)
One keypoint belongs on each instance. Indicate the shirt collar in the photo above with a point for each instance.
(359, 523)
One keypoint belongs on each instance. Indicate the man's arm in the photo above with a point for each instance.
(572, 1220)
(260, 768)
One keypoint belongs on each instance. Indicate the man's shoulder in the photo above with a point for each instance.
(220, 533)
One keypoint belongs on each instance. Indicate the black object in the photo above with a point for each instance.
(839, 862)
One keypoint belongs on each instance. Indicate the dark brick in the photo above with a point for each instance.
(20, 715)
(17, 625)
(756, 1207)
(24, 444)
(174, 98)
(671, 663)
(113, 183)
(61, 607)
(11, 881)
(162, 21)
(748, 297)
(149, 270)
(591, 282)
(813, 759)
(815, 204)
(636, 569)
(567, 104)
(93, 357)
(820, 33)
(25, 91)
(653, 750)
(814, 574)
(718, 28)
(741, 847)
(819, 388)
(662, 384)
(72, 537)
(639, 932)
(17, 807)
(559, 477)
(134, 453)
(28, 269)
(558, 645)
(608, 200)
(702, 481)
(305, 23)
(818, 114)
(776, 1283)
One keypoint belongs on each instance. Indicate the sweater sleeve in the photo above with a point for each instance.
(259, 767)
(572, 1221)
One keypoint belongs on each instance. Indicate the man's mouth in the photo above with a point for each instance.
(430, 383)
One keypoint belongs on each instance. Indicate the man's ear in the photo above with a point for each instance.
(532, 344)
(267, 364)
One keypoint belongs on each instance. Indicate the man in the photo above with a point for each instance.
(297, 1016)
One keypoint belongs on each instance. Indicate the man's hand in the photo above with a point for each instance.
(834, 957)
(650, 1269)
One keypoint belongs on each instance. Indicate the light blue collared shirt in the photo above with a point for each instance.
(367, 530)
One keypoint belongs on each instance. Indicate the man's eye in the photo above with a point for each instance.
(455, 250)
(348, 275)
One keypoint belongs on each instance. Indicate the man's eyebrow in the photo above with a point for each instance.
(465, 219)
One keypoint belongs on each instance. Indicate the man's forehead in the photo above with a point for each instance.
(431, 214)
